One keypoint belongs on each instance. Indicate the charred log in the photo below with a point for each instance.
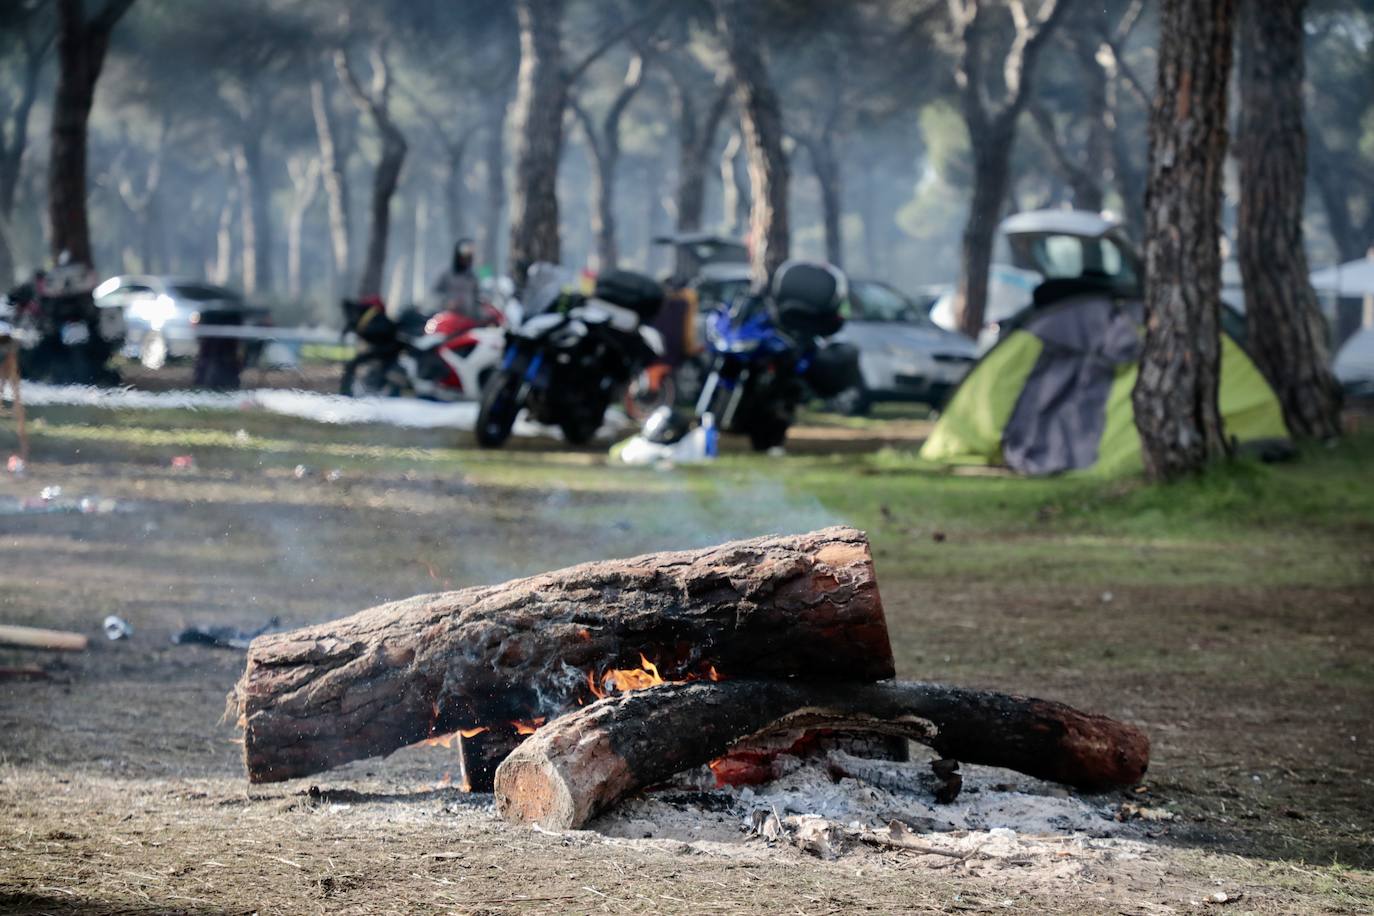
(786, 607)
(585, 762)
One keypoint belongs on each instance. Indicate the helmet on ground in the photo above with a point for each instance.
(666, 426)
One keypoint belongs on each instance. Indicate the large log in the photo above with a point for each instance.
(581, 764)
(787, 607)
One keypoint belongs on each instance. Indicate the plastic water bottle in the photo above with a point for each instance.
(708, 424)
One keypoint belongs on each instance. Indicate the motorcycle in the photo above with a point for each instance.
(67, 339)
(573, 357)
(441, 357)
(767, 350)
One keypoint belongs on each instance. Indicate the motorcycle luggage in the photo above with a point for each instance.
(808, 298)
(834, 369)
(641, 294)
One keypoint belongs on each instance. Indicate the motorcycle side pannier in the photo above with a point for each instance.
(627, 289)
(833, 370)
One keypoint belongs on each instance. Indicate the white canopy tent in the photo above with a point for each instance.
(1353, 278)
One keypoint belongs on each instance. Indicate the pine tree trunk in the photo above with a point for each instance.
(81, 47)
(335, 174)
(735, 204)
(1130, 181)
(224, 240)
(991, 179)
(695, 143)
(826, 166)
(495, 157)
(603, 210)
(761, 120)
(1286, 333)
(384, 183)
(1175, 397)
(257, 245)
(538, 125)
(453, 193)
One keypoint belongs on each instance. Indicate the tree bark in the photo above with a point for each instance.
(735, 202)
(992, 131)
(604, 142)
(494, 156)
(14, 139)
(455, 211)
(305, 183)
(1285, 331)
(738, 22)
(224, 239)
(826, 166)
(696, 138)
(256, 229)
(334, 162)
(540, 98)
(991, 179)
(804, 606)
(1175, 396)
(583, 763)
(374, 102)
(81, 46)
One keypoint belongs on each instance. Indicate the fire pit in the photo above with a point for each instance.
(569, 691)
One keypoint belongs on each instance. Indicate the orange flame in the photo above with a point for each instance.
(623, 680)
(528, 728)
(451, 739)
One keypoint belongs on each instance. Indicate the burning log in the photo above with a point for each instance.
(484, 658)
(583, 763)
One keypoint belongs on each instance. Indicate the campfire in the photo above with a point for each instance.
(567, 692)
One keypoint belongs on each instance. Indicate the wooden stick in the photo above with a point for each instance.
(37, 638)
(10, 372)
(581, 764)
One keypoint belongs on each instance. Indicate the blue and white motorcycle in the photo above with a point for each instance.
(767, 350)
(573, 356)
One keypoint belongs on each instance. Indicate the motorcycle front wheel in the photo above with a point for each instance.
(500, 405)
(579, 428)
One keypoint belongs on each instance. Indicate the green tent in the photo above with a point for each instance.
(1054, 395)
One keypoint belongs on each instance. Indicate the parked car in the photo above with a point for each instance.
(903, 355)
(161, 314)
(1041, 245)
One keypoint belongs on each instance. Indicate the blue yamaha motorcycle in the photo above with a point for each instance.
(767, 350)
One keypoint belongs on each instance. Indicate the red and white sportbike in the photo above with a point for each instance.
(442, 357)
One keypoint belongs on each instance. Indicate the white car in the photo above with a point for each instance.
(1046, 245)
(161, 314)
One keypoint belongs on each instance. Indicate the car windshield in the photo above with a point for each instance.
(1059, 256)
(876, 302)
(195, 292)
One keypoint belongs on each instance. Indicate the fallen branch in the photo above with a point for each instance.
(38, 638)
(585, 762)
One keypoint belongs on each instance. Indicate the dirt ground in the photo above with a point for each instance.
(121, 789)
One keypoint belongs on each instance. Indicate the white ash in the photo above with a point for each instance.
(995, 807)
